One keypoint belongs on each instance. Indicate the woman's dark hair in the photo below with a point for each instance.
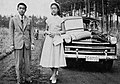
(58, 7)
(22, 4)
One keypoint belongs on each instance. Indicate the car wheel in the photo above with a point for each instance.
(71, 62)
(107, 65)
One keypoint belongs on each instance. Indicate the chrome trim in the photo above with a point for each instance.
(114, 57)
(88, 43)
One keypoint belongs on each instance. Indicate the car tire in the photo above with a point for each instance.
(71, 62)
(107, 65)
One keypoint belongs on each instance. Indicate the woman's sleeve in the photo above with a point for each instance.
(47, 22)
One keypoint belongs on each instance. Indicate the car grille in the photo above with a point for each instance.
(90, 48)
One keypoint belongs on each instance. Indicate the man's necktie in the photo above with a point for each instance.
(22, 21)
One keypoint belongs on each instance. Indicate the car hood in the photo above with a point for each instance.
(84, 35)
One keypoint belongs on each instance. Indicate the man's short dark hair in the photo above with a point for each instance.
(22, 4)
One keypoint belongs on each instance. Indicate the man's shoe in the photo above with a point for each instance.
(29, 79)
(18, 83)
(22, 80)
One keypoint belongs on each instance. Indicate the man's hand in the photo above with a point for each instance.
(11, 48)
(32, 47)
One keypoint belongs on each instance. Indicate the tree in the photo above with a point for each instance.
(70, 5)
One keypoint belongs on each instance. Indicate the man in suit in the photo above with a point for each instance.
(22, 42)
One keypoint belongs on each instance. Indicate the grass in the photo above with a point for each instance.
(7, 69)
(4, 39)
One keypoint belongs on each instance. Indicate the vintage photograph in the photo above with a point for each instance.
(59, 41)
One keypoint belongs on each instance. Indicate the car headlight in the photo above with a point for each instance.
(113, 40)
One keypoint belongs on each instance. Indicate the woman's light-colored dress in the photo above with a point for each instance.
(53, 51)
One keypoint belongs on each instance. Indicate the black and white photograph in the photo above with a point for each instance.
(59, 41)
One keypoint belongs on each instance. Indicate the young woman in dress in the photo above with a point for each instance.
(53, 51)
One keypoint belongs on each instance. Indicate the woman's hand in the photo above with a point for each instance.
(52, 34)
(47, 32)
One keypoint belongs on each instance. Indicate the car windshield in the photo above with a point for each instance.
(82, 24)
(74, 24)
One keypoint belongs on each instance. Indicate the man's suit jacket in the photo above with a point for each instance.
(21, 34)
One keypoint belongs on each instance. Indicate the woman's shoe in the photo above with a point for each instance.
(51, 78)
(54, 80)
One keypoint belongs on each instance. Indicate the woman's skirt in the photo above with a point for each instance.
(52, 55)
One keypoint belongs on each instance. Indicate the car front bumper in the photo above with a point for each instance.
(112, 57)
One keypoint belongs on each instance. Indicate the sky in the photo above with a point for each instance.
(36, 7)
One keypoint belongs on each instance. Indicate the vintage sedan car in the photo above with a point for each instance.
(85, 41)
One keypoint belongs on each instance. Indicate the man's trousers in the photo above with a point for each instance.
(22, 57)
